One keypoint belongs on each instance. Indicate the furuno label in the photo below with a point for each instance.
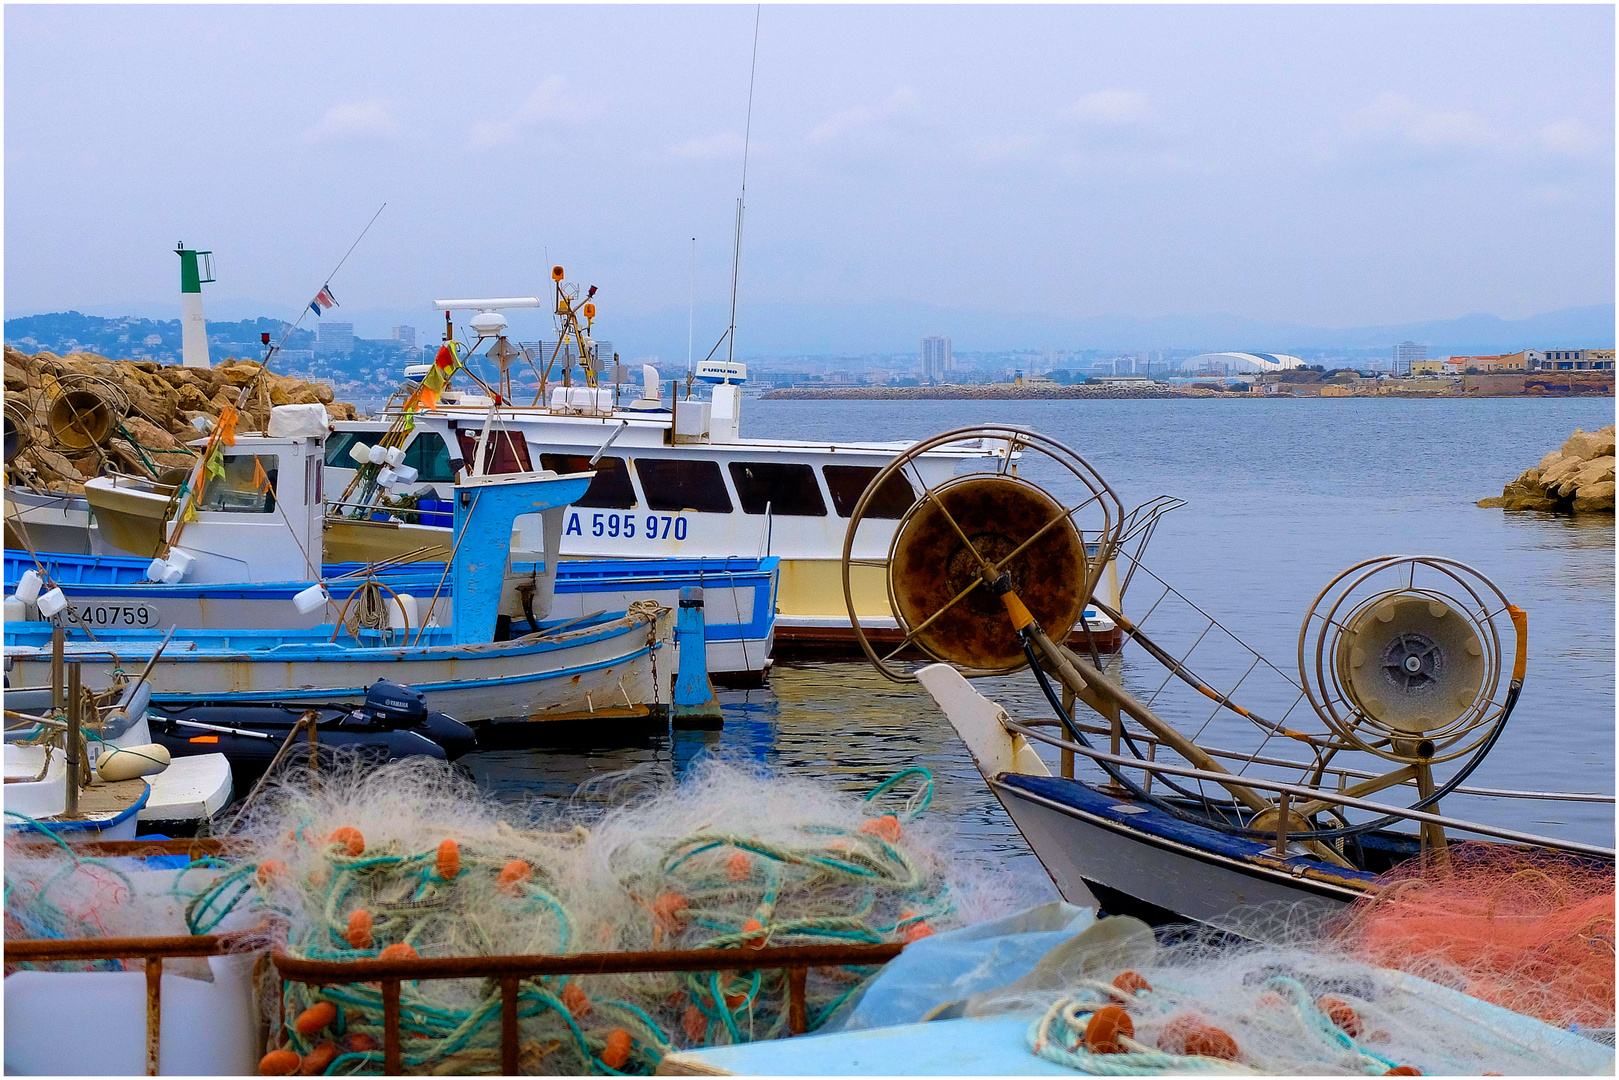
(626, 526)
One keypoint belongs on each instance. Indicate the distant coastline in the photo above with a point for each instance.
(1471, 386)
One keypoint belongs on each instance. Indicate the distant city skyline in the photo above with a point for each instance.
(1314, 166)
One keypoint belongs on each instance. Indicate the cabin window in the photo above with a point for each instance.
(609, 490)
(337, 447)
(787, 489)
(506, 452)
(247, 487)
(679, 484)
(430, 458)
(849, 482)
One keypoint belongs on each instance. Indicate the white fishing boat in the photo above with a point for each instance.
(1412, 666)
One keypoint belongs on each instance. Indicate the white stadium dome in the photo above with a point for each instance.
(1245, 362)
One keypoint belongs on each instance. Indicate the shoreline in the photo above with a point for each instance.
(1007, 392)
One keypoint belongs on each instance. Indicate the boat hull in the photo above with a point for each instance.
(610, 669)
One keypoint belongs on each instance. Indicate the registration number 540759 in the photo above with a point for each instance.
(108, 615)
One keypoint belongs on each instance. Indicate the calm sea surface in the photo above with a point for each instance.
(1281, 495)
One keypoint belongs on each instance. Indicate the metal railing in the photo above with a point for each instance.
(796, 960)
(1310, 794)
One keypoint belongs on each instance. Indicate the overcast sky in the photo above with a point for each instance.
(1328, 165)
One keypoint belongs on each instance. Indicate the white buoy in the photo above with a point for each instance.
(156, 569)
(396, 456)
(402, 613)
(127, 762)
(361, 453)
(387, 477)
(181, 561)
(16, 610)
(52, 602)
(310, 599)
(28, 586)
(404, 474)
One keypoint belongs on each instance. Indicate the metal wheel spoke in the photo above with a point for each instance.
(927, 622)
(1047, 527)
(943, 510)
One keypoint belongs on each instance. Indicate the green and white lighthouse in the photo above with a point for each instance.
(196, 268)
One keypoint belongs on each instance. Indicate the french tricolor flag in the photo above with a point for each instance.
(323, 300)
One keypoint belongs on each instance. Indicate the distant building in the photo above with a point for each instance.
(1483, 364)
(1578, 360)
(936, 358)
(1407, 353)
(335, 338)
(1227, 363)
(405, 335)
(295, 356)
(1427, 367)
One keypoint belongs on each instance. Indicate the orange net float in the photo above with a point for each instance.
(695, 1024)
(513, 876)
(1105, 1027)
(349, 837)
(1131, 982)
(316, 1061)
(738, 867)
(1206, 1040)
(357, 1042)
(576, 1001)
(667, 908)
(359, 929)
(756, 935)
(886, 828)
(448, 862)
(269, 870)
(316, 1017)
(279, 1063)
(617, 1052)
(399, 950)
(1341, 1013)
(917, 930)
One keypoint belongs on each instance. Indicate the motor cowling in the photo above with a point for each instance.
(394, 704)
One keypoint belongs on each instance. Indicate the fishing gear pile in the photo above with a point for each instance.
(410, 860)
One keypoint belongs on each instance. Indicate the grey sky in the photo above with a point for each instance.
(1329, 165)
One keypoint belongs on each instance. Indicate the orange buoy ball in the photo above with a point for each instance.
(695, 1024)
(269, 870)
(667, 908)
(279, 1063)
(1172, 1039)
(513, 875)
(1206, 1040)
(317, 1060)
(317, 1016)
(448, 863)
(1341, 1013)
(1270, 1000)
(886, 827)
(1412, 1070)
(399, 950)
(617, 1053)
(1105, 1026)
(738, 867)
(1131, 983)
(756, 936)
(359, 932)
(357, 1042)
(917, 931)
(349, 837)
(576, 1001)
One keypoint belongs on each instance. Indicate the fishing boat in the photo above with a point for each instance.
(602, 665)
(1412, 667)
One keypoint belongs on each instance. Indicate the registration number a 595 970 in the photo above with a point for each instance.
(108, 615)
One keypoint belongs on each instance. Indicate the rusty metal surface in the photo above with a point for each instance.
(797, 1004)
(613, 963)
(195, 846)
(154, 1012)
(931, 565)
(392, 1056)
(508, 1026)
(42, 950)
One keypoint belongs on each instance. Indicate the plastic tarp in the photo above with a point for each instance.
(954, 965)
(299, 422)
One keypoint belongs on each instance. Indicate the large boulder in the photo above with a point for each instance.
(1578, 477)
(1595, 498)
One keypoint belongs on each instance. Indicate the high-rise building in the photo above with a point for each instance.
(405, 335)
(936, 358)
(1405, 354)
(335, 337)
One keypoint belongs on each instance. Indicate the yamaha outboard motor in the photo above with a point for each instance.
(394, 705)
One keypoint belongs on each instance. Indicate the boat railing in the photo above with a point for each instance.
(1306, 793)
(1340, 771)
(509, 971)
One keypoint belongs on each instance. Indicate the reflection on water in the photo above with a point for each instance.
(1282, 496)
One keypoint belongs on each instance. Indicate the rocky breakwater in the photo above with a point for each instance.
(151, 435)
(1578, 478)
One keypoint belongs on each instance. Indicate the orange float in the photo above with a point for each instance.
(617, 1053)
(756, 939)
(1106, 1025)
(576, 1001)
(348, 836)
(279, 1063)
(667, 908)
(316, 1061)
(1130, 982)
(1206, 1040)
(399, 951)
(513, 875)
(270, 869)
(1341, 1013)
(448, 863)
(359, 932)
(738, 867)
(695, 1024)
(316, 1017)
(886, 827)
(357, 1042)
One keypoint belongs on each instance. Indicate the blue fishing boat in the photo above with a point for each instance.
(605, 664)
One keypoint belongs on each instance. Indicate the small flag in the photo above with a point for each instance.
(323, 300)
(261, 479)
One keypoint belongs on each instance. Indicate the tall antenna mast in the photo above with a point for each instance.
(747, 140)
(691, 310)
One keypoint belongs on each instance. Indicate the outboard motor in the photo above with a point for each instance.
(394, 705)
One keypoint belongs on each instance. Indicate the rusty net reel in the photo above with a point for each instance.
(961, 535)
(84, 411)
(19, 435)
(1402, 657)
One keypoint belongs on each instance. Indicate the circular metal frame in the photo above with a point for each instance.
(1349, 594)
(1016, 440)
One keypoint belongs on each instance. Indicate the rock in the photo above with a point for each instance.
(16, 378)
(1549, 460)
(1594, 498)
(1586, 445)
(1567, 468)
(191, 397)
(238, 372)
(52, 468)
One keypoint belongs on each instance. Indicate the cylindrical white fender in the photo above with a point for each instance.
(127, 762)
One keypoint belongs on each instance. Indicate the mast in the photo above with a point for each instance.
(747, 140)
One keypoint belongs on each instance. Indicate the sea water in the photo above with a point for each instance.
(1281, 496)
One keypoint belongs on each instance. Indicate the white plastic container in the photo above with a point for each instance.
(405, 474)
(396, 456)
(403, 613)
(154, 571)
(182, 561)
(28, 586)
(51, 603)
(361, 453)
(310, 599)
(16, 610)
(171, 574)
(387, 477)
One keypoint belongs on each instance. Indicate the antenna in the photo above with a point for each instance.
(747, 140)
(691, 310)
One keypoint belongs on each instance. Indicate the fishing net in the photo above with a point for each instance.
(1530, 931)
(1114, 1002)
(409, 859)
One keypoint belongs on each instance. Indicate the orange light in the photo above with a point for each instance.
(556, 273)
(589, 310)
(204, 738)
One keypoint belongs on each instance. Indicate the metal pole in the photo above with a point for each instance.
(75, 698)
(154, 1013)
(58, 643)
